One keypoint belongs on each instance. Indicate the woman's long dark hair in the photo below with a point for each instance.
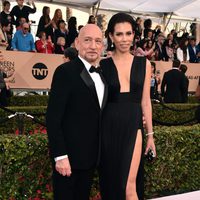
(46, 16)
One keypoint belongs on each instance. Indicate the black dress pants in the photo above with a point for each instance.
(75, 187)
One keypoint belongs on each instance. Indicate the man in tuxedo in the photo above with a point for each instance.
(183, 68)
(77, 98)
(174, 86)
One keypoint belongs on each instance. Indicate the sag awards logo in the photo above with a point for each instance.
(8, 67)
(40, 71)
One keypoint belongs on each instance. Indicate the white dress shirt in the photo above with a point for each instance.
(99, 85)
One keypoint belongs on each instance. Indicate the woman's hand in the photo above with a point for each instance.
(150, 145)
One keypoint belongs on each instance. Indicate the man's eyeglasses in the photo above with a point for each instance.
(26, 29)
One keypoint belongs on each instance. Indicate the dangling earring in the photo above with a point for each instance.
(112, 45)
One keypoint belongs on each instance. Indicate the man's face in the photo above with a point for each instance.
(20, 2)
(90, 43)
(192, 43)
(161, 39)
(7, 7)
(25, 28)
(22, 20)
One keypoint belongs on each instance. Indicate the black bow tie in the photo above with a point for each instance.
(94, 69)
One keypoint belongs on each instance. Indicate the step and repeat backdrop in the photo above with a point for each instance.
(27, 70)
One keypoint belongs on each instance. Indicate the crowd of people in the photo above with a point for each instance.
(115, 94)
(56, 34)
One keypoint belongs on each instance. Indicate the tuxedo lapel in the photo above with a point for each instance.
(90, 84)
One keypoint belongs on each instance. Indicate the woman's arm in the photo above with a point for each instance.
(140, 51)
(147, 109)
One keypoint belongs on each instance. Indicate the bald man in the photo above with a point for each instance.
(77, 98)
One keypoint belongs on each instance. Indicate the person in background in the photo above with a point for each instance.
(182, 51)
(155, 81)
(45, 23)
(70, 54)
(198, 54)
(142, 51)
(168, 50)
(197, 93)
(6, 16)
(5, 92)
(4, 41)
(60, 46)
(147, 27)
(57, 16)
(44, 45)
(183, 68)
(150, 35)
(149, 46)
(156, 31)
(91, 20)
(138, 27)
(80, 27)
(159, 52)
(193, 50)
(22, 20)
(23, 40)
(20, 10)
(72, 31)
(61, 31)
(174, 86)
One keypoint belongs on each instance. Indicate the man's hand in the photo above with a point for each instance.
(63, 167)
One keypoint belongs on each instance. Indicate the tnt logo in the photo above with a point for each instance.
(40, 71)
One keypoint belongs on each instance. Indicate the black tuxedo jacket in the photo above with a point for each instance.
(73, 115)
(176, 86)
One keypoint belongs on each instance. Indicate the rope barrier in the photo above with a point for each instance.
(20, 117)
(174, 124)
(174, 109)
(196, 119)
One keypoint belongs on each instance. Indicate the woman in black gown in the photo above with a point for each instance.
(128, 78)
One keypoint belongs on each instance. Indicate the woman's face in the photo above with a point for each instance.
(122, 37)
(48, 11)
(145, 45)
(59, 14)
(152, 69)
(43, 36)
(150, 43)
(170, 42)
(186, 42)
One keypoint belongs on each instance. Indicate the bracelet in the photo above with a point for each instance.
(151, 133)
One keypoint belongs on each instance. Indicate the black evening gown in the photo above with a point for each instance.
(121, 119)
